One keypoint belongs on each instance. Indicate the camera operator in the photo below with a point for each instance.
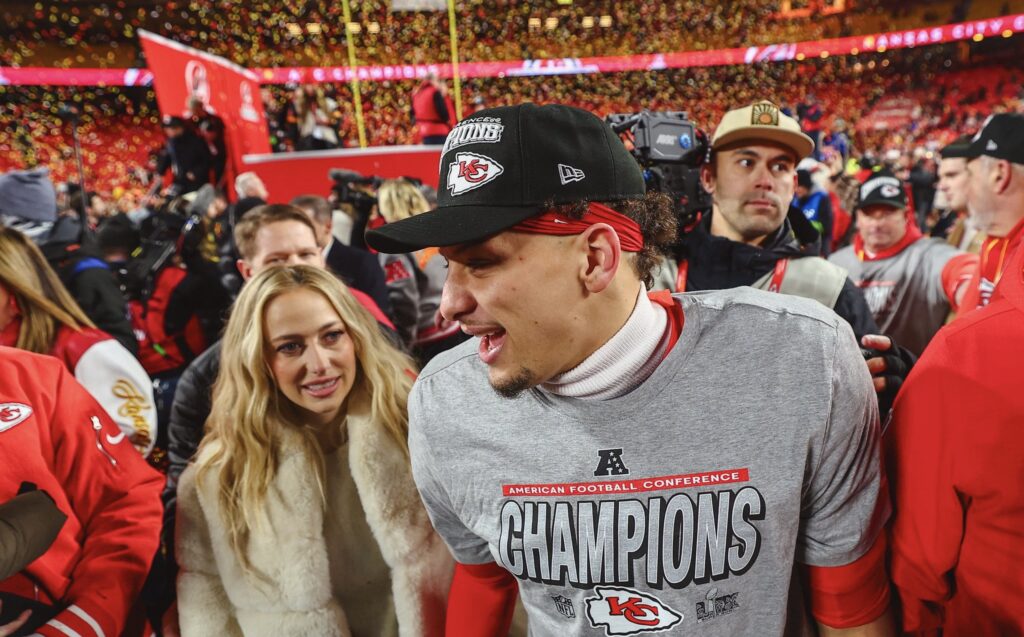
(752, 236)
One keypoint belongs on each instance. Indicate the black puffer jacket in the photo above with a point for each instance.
(717, 263)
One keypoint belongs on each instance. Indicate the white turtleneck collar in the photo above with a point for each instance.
(624, 362)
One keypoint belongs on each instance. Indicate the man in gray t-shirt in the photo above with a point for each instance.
(695, 464)
(909, 281)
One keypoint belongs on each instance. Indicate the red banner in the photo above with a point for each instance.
(227, 90)
(1003, 26)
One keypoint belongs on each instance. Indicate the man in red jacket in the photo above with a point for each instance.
(954, 449)
(54, 435)
(995, 199)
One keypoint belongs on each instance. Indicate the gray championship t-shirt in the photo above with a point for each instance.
(905, 291)
(680, 507)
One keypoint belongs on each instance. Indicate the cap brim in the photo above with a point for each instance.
(799, 143)
(446, 227)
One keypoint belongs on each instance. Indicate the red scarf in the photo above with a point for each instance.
(912, 234)
(630, 237)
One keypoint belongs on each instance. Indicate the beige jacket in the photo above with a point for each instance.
(216, 599)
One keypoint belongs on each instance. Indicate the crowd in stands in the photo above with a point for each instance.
(256, 34)
(120, 131)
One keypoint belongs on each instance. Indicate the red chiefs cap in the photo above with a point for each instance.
(501, 165)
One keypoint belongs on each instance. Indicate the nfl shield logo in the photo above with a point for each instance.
(564, 606)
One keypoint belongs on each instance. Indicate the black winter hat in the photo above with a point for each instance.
(499, 167)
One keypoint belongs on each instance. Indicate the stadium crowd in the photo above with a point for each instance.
(256, 34)
(515, 399)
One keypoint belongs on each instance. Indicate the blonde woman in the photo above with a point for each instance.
(415, 280)
(39, 315)
(299, 515)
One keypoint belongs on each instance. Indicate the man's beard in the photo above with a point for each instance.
(517, 384)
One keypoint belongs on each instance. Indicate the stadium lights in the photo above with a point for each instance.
(606, 21)
(293, 29)
(354, 27)
(534, 23)
(373, 27)
(564, 1)
(314, 28)
(551, 23)
(1007, 33)
(978, 37)
(588, 22)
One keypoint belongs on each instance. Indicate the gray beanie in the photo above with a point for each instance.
(28, 195)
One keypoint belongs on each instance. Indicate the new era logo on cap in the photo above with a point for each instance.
(568, 174)
(1001, 137)
(470, 171)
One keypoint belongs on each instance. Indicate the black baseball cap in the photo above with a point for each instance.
(957, 149)
(1002, 137)
(882, 189)
(499, 167)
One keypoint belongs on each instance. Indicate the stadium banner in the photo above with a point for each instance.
(890, 113)
(226, 89)
(1004, 26)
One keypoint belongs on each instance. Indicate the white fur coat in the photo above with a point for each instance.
(215, 598)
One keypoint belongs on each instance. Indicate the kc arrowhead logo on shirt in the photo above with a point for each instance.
(624, 611)
(12, 414)
(470, 171)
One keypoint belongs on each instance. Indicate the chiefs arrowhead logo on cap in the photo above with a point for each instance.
(470, 171)
(12, 414)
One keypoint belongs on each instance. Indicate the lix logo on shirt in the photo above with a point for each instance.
(611, 463)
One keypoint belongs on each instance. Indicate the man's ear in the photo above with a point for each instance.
(1003, 175)
(603, 256)
(707, 177)
(244, 269)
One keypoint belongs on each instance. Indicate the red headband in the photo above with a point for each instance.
(630, 237)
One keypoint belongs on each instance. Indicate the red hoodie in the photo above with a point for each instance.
(53, 434)
(954, 451)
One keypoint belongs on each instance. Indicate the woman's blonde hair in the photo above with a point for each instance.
(44, 302)
(398, 199)
(249, 410)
